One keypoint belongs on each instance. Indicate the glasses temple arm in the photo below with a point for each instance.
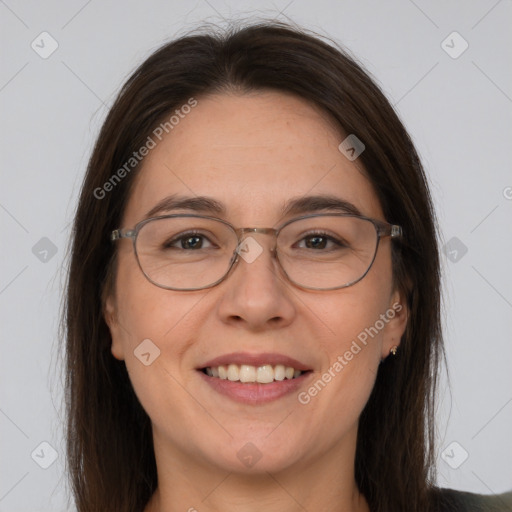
(117, 234)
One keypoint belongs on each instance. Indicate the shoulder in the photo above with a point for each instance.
(450, 500)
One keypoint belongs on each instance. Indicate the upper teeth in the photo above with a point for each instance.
(248, 373)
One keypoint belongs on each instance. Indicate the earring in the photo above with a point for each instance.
(393, 350)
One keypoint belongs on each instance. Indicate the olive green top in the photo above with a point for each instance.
(450, 500)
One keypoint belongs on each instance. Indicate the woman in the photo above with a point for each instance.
(253, 299)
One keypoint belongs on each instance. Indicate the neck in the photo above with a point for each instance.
(326, 483)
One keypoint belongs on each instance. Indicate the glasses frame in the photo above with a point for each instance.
(383, 229)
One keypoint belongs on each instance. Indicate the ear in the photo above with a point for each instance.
(110, 315)
(397, 315)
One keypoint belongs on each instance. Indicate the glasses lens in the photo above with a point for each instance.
(185, 252)
(327, 251)
(321, 252)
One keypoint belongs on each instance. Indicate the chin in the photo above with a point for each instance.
(257, 455)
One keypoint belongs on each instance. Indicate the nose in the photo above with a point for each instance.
(256, 292)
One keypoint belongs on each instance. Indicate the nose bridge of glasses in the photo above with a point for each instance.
(244, 233)
(270, 231)
(247, 242)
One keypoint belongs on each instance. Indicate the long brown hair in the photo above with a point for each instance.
(109, 441)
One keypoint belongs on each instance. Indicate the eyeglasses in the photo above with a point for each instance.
(317, 252)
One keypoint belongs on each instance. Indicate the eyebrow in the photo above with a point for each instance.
(296, 206)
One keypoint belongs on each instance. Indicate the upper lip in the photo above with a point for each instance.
(255, 360)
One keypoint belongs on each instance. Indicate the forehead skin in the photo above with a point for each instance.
(251, 152)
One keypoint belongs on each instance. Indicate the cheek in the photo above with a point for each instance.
(145, 310)
(157, 332)
(353, 317)
(353, 345)
(353, 352)
(340, 390)
(153, 329)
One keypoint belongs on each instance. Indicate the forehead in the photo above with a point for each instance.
(252, 153)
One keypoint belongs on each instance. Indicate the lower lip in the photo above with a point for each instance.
(255, 393)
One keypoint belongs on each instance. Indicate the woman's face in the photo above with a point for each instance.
(253, 154)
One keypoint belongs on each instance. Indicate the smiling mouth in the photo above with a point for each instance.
(246, 373)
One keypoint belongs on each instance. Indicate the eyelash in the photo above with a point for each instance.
(190, 234)
(184, 236)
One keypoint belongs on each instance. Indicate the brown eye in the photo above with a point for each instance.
(187, 241)
(316, 242)
(192, 242)
(320, 241)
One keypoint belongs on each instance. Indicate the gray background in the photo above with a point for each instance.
(458, 111)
